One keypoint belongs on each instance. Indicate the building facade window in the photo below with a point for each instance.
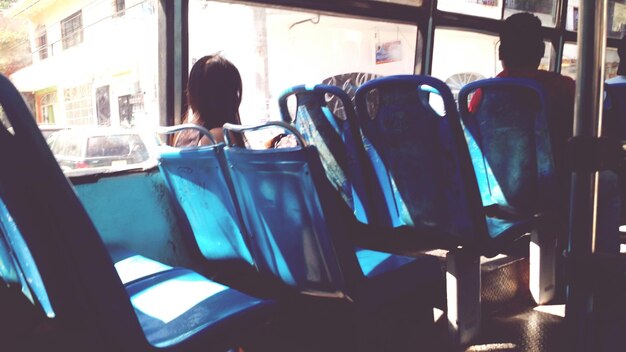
(79, 105)
(72, 30)
(47, 102)
(118, 7)
(41, 42)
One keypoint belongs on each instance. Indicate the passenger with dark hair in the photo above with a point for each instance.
(214, 94)
(521, 49)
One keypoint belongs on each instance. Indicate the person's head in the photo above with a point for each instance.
(521, 43)
(214, 91)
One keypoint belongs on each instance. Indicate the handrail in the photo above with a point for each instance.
(186, 126)
(243, 128)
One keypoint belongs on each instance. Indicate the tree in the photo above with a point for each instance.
(5, 4)
(14, 45)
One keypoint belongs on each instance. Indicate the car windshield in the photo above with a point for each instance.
(102, 146)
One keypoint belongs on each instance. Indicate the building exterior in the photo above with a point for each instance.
(79, 76)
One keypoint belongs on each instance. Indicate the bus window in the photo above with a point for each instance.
(544, 9)
(616, 17)
(570, 55)
(449, 67)
(74, 60)
(403, 2)
(275, 49)
(482, 62)
(482, 8)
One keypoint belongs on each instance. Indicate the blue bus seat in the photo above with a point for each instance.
(614, 126)
(509, 143)
(415, 142)
(195, 178)
(336, 136)
(301, 236)
(510, 146)
(615, 104)
(150, 283)
(71, 276)
(422, 163)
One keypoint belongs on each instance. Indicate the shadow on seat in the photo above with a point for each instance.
(335, 134)
(416, 144)
(301, 237)
(52, 243)
(203, 193)
(509, 142)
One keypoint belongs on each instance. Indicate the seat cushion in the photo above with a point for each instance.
(176, 305)
(131, 266)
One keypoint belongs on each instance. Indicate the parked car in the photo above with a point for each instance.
(98, 147)
(46, 129)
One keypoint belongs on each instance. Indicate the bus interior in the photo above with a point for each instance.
(395, 219)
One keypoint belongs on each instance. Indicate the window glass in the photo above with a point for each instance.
(481, 8)
(481, 59)
(570, 56)
(403, 2)
(616, 17)
(84, 63)
(499, 9)
(544, 9)
(616, 25)
(275, 49)
(72, 30)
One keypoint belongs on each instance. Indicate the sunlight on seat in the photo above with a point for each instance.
(556, 310)
(370, 260)
(171, 299)
(135, 267)
(505, 346)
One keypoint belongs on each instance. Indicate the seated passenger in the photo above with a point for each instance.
(613, 124)
(521, 49)
(621, 69)
(213, 95)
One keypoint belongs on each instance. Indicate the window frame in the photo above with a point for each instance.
(72, 30)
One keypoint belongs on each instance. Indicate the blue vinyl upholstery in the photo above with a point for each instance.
(188, 295)
(43, 220)
(415, 141)
(336, 136)
(509, 142)
(615, 104)
(204, 193)
(287, 202)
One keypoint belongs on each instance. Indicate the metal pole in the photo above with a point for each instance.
(587, 123)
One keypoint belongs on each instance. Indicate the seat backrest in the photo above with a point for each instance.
(285, 201)
(413, 138)
(43, 220)
(204, 192)
(615, 105)
(336, 136)
(509, 143)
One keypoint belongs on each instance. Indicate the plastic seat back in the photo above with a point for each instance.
(50, 232)
(282, 193)
(196, 178)
(509, 142)
(335, 134)
(414, 140)
(615, 103)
